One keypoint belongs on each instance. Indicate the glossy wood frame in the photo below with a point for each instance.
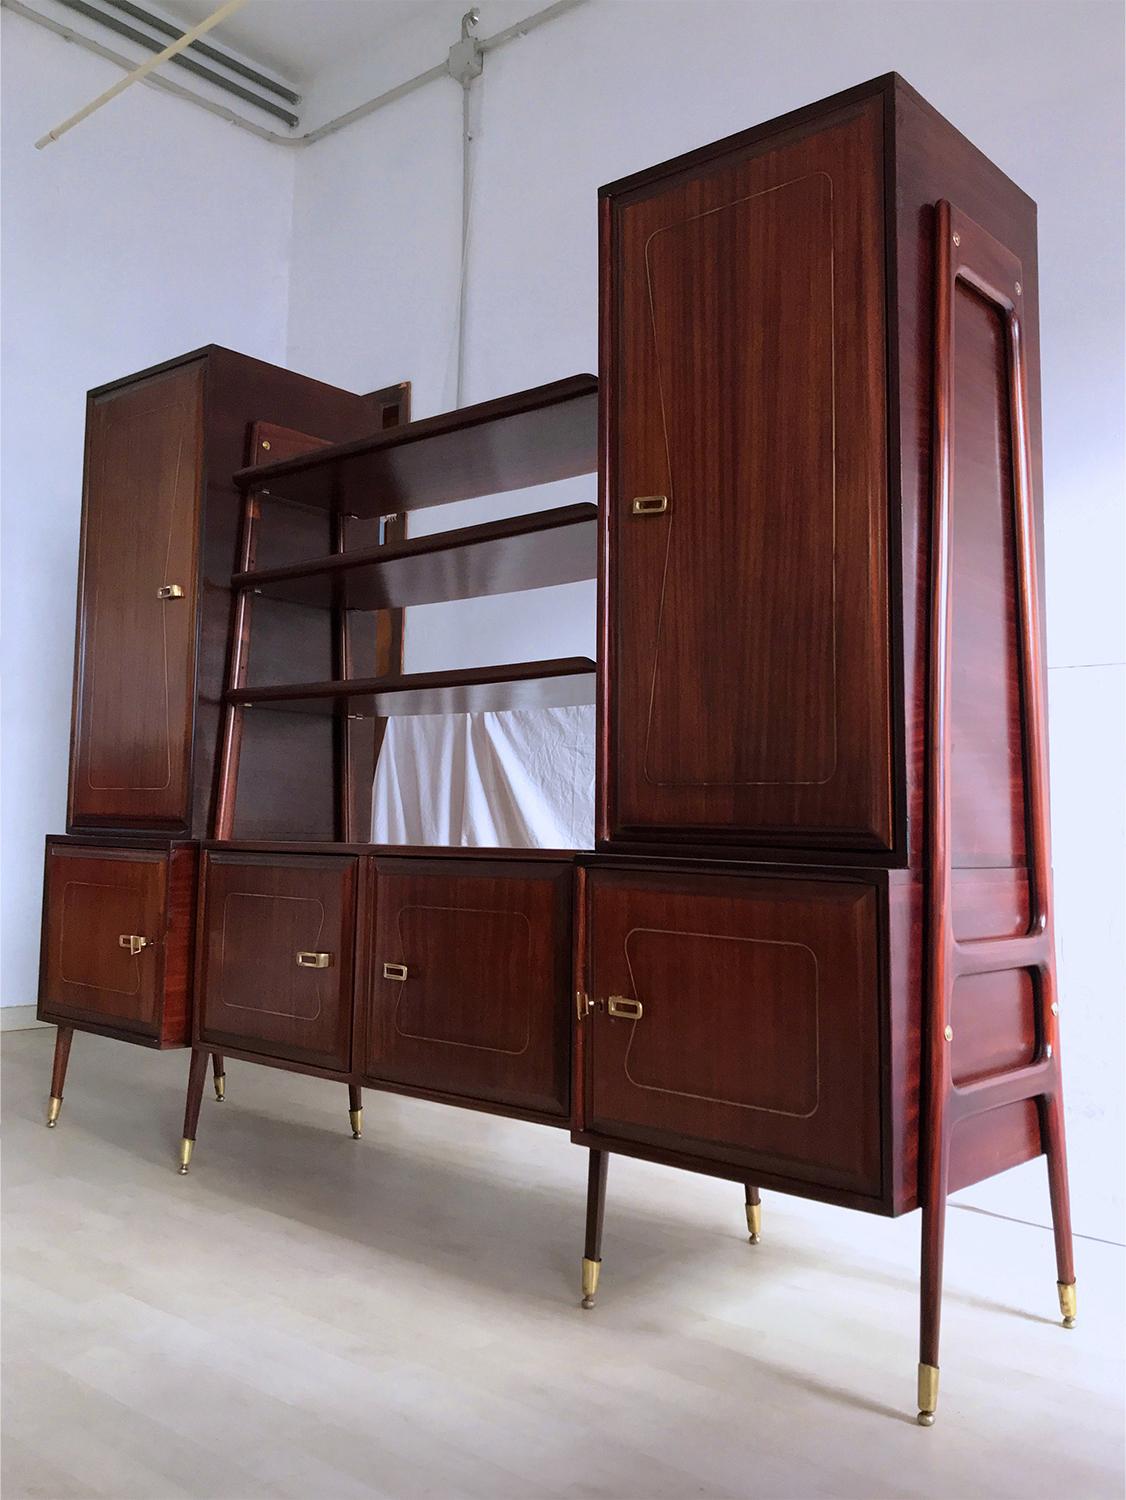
(966, 252)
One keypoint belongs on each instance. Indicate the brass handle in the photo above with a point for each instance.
(314, 960)
(131, 941)
(650, 505)
(169, 591)
(624, 1008)
(397, 972)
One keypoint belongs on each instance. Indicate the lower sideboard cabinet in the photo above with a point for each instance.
(116, 950)
(468, 993)
(735, 1023)
(117, 931)
(275, 957)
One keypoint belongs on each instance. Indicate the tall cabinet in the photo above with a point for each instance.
(818, 948)
(160, 531)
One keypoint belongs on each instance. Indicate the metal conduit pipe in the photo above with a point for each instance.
(142, 38)
(205, 49)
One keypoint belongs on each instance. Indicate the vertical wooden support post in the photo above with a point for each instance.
(227, 795)
(965, 252)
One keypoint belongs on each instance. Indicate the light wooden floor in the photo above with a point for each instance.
(310, 1316)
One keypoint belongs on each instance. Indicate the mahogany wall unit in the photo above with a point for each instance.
(813, 949)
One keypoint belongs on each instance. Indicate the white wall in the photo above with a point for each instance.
(148, 231)
(619, 84)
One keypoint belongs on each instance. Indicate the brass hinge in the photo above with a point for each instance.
(584, 1005)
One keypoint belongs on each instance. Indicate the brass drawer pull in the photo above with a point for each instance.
(131, 941)
(314, 960)
(624, 1009)
(169, 591)
(650, 505)
(397, 972)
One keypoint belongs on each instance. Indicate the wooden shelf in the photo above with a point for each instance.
(532, 437)
(559, 683)
(498, 557)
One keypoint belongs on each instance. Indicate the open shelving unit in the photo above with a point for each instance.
(515, 442)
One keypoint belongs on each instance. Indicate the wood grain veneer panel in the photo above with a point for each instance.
(747, 622)
(259, 912)
(483, 1011)
(758, 1038)
(986, 754)
(136, 652)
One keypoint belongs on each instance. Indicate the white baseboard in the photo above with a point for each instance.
(18, 1018)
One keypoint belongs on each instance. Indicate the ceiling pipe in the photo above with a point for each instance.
(205, 49)
(143, 39)
(311, 137)
(225, 10)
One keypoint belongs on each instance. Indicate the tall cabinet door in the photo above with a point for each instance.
(135, 669)
(745, 627)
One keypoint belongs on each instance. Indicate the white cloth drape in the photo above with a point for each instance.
(523, 779)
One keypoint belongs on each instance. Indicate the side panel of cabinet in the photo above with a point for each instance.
(737, 1020)
(745, 620)
(117, 939)
(470, 981)
(135, 666)
(275, 956)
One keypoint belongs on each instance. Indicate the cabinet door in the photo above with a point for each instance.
(276, 956)
(470, 981)
(104, 926)
(134, 676)
(747, 613)
(737, 1019)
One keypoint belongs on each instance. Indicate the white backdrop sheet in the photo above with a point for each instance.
(523, 779)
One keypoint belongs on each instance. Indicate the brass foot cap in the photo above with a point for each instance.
(591, 1269)
(928, 1394)
(220, 1088)
(1067, 1302)
(356, 1118)
(754, 1222)
(587, 1303)
(185, 1155)
(53, 1109)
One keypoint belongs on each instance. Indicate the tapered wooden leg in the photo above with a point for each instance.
(356, 1110)
(220, 1075)
(1052, 1134)
(197, 1077)
(930, 1292)
(595, 1213)
(63, 1038)
(754, 1214)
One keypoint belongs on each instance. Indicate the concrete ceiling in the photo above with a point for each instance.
(302, 39)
